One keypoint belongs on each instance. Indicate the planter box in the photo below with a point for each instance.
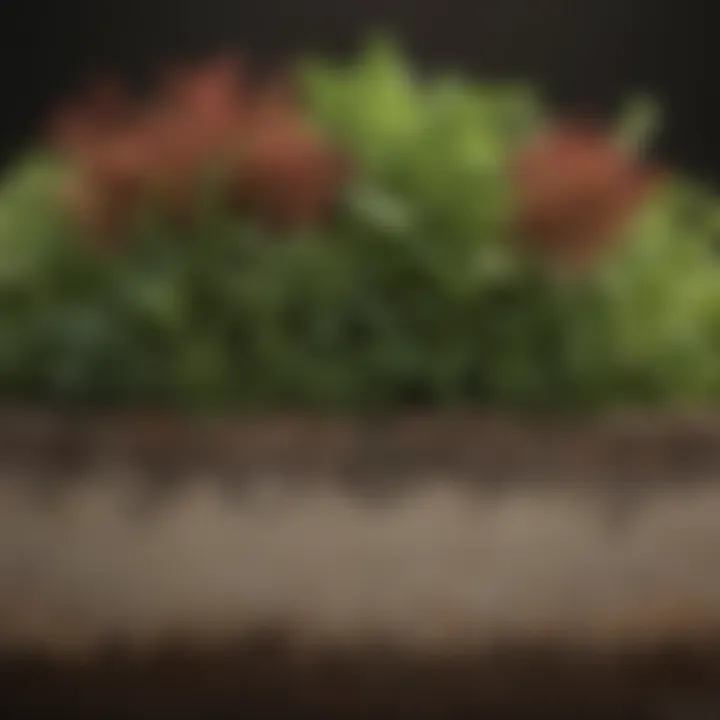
(444, 565)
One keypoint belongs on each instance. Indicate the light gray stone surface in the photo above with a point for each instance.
(443, 562)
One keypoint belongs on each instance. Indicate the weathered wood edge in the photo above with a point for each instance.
(625, 446)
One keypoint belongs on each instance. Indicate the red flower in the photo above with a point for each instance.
(280, 167)
(210, 100)
(287, 173)
(111, 175)
(576, 191)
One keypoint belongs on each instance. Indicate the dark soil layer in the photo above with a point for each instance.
(264, 678)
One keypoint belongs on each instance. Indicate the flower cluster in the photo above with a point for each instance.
(123, 152)
(577, 190)
(576, 187)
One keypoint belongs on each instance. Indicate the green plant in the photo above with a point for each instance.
(414, 292)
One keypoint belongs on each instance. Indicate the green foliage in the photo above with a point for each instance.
(413, 294)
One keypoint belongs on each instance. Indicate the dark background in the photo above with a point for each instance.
(583, 52)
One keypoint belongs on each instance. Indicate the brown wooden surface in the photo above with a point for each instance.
(622, 446)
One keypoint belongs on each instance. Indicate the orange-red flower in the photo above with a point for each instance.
(279, 167)
(287, 173)
(577, 190)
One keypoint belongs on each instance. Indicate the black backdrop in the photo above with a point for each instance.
(588, 52)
